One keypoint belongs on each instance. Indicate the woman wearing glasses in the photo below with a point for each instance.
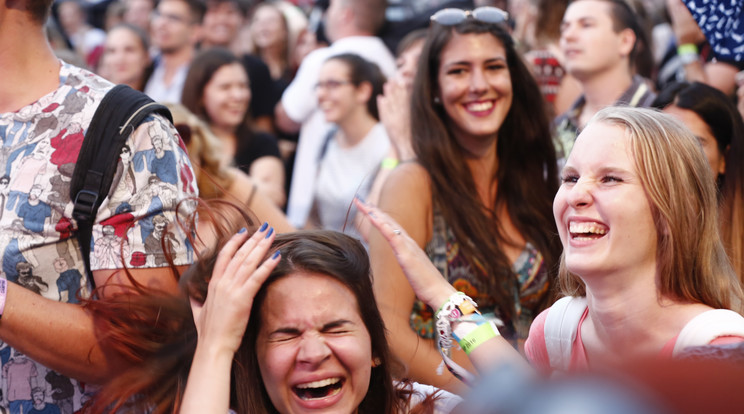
(347, 92)
(478, 196)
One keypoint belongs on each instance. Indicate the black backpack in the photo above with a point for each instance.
(120, 112)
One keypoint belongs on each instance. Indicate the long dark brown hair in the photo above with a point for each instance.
(720, 115)
(155, 332)
(526, 177)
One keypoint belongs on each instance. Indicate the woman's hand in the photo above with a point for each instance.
(424, 278)
(238, 274)
(394, 106)
(236, 278)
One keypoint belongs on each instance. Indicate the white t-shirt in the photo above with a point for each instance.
(344, 172)
(301, 105)
(159, 91)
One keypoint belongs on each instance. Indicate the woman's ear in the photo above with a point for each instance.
(364, 92)
(722, 161)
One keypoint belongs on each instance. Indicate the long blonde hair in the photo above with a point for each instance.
(691, 261)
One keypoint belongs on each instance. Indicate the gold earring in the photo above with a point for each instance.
(376, 362)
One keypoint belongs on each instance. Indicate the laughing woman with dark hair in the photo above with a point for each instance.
(478, 195)
(281, 324)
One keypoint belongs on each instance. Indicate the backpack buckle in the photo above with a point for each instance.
(85, 204)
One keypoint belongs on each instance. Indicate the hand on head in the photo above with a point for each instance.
(238, 274)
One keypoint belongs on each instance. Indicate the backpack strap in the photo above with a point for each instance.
(561, 327)
(117, 116)
(707, 326)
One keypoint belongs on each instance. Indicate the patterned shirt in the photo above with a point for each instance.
(531, 287)
(38, 250)
(567, 124)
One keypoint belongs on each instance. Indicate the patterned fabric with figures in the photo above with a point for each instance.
(38, 250)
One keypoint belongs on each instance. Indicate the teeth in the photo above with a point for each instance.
(319, 384)
(593, 228)
(482, 106)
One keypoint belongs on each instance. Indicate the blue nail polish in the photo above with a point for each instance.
(242, 230)
(263, 227)
(360, 198)
(271, 231)
(276, 254)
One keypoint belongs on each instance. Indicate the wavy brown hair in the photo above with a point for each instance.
(155, 331)
(526, 178)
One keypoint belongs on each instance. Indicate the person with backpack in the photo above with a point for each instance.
(45, 104)
(643, 267)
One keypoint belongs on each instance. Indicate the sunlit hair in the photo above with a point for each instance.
(155, 331)
(203, 147)
(527, 173)
(691, 263)
(363, 71)
(720, 115)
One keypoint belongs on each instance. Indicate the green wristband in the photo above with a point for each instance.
(479, 335)
(687, 49)
(389, 163)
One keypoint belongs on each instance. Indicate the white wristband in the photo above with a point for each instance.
(3, 293)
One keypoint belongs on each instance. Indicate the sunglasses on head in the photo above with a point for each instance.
(486, 14)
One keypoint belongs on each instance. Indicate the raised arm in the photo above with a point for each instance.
(406, 196)
(429, 285)
(221, 320)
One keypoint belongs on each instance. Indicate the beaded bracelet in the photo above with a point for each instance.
(473, 329)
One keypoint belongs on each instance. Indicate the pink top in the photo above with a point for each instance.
(537, 351)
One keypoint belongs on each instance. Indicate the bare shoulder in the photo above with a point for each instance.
(406, 196)
(406, 178)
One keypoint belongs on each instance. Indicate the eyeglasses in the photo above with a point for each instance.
(171, 18)
(331, 84)
(486, 14)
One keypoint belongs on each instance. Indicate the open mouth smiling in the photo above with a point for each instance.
(480, 108)
(586, 230)
(318, 389)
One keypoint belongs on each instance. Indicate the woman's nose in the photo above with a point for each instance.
(313, 350)
(580, 194)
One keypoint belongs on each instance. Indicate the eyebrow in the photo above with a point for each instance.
(468, 63)
(600, 171)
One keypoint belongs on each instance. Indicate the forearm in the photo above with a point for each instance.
(35, 325)
(268, 174)
(422, 360)
(208, 386)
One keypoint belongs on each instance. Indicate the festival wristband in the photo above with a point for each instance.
(3, 293)
(477, 337)
(688, 53)
(687, 49)
(389, 163)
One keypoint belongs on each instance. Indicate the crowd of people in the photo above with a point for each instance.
(527, 192)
